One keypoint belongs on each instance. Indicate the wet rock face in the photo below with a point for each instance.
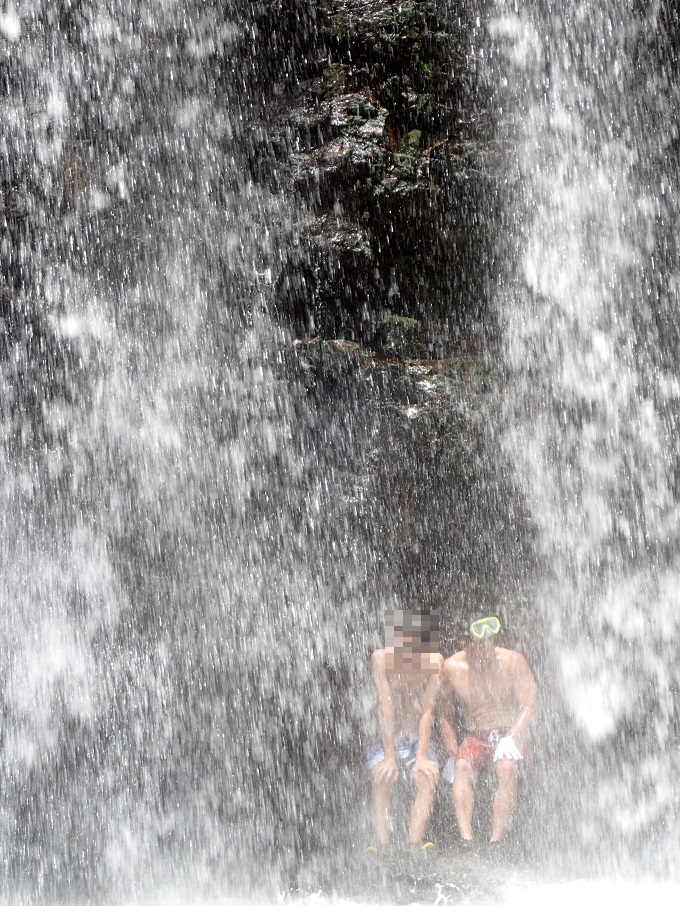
(418, 481)
(385, 146)
(390, 147)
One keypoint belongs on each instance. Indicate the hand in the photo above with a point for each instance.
(423, 767)
(507, 748)
(387, 771)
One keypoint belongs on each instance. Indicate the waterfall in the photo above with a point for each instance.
(164, 627)
(588, 309)
(202, 525)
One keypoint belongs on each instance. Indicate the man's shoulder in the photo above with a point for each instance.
(378, 656)
(431, 663)
(511, 659)
(456, 662)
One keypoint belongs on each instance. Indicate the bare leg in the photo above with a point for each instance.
(381, 794)
(422, 808)
(463, 798)
(506, 797)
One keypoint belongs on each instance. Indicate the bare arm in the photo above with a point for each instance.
(448, 735)
(423, 767)
(385, 709)
(445, 725)
(525, 692)
(425, 722)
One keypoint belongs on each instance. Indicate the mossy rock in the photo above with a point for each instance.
(334, 82)
(413, 139)
(325, 357)
(400, 336)
(474, 372)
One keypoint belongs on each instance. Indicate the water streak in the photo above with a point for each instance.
(592, 416)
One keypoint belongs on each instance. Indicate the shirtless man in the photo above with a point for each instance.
(407, 678)
(497, 693)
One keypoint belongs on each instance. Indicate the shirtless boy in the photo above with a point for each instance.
(407, 678)
(497, 693)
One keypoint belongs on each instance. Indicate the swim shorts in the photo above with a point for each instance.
(479, 751)
(406, 745)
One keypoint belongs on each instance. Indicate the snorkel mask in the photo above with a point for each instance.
(487, 626)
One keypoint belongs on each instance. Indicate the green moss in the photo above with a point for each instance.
(334, 80)
(400, 336)
(406, 13)
(326, 357)
(458, 365)
(360, 109)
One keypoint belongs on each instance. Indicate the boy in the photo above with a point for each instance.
(407, 677)
(497, 692)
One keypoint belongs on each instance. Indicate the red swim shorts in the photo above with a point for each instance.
(479, 751)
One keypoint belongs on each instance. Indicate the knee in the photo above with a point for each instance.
(378, 784)
(426, 784)
(506, 771)
(463, 772)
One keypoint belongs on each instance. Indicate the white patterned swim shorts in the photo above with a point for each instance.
(406, 745)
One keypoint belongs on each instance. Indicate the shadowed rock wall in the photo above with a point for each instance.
(388, 145)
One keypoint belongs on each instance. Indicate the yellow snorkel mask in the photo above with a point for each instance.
(487, 626)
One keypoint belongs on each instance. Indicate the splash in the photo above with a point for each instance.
(592, 414)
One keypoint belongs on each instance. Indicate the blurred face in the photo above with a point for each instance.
(412, 633)
(406, 644)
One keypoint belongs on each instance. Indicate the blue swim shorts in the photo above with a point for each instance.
(406, 745)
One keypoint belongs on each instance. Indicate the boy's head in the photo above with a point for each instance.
(479, 637)
(417, 630)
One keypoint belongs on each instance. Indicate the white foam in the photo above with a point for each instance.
(10, 26)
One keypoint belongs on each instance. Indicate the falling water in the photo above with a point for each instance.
(190, 580)
(588, 305)
(163, 616)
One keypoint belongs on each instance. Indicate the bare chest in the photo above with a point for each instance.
(407, 687)
(489, 684)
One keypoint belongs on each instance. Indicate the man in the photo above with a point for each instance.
(407, 678)
(497, 693)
